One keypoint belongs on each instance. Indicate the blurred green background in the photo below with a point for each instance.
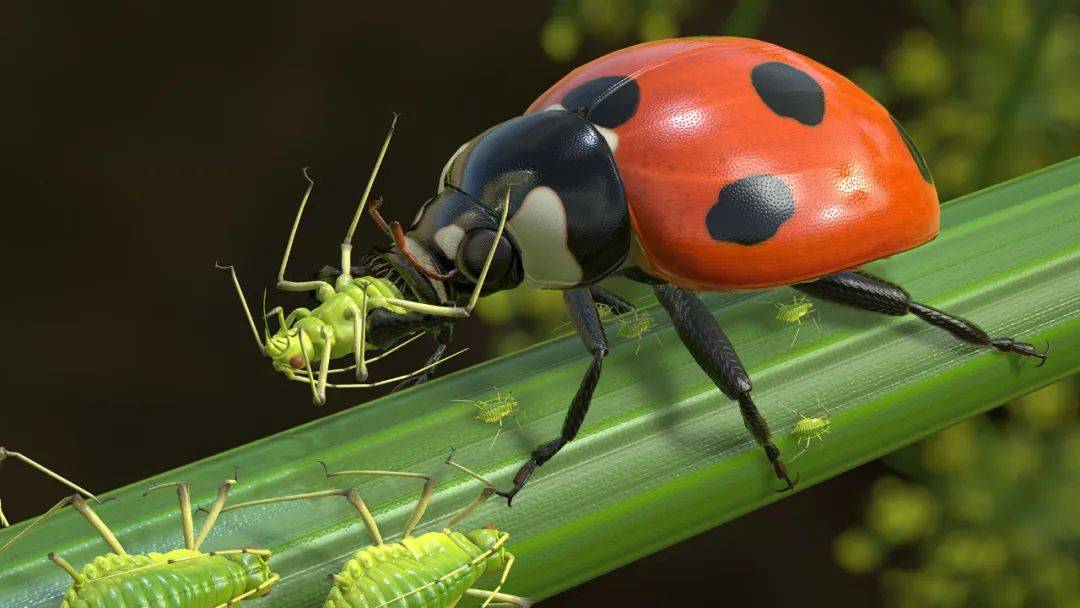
(147, 140)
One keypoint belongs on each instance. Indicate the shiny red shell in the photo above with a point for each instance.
(718, 122)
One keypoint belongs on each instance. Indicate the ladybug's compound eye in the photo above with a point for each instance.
(473, 251)
(297, 362)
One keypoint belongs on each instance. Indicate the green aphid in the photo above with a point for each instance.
(193, 578)
(808, 429)
(431, 570)
(338, 327)
(799, 308)
(631, 325)
(494, 410)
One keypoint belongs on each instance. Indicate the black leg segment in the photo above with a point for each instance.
(714, 353)
(610, 299)
(868, 292)
(585, 318)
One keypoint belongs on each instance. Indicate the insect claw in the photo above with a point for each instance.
(1042, 355)
(326, 469)
(450, 458)
(509, 496)
(790, 484)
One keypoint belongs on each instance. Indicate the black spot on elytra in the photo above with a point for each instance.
(750, 210)
(608, 101)
(790, 92)
(920, 162)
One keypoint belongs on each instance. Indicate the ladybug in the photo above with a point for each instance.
(694, 164)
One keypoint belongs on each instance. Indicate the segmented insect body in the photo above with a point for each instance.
(380, 575)
(182, 578)
(795, 311)
(807, 429)
(431, 570)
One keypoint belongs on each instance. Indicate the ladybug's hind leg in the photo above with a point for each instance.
(868, 292)
(587, 321)
(617, 304)
(714, 353)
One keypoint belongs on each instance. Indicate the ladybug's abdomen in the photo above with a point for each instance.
(377, 575)
(748, 166)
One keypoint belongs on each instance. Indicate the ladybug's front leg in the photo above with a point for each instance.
(714, 353)
(868, 292)
(587, 321)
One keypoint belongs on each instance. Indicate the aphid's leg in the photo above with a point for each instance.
(462, 311)
(310, 378)
(349, 494)
(323, 290)
(215, 510)
(346, 245)
(67, 567)
(5, 453)
(611, 299)
(244, 304)
(503, 598)
(359, 319)
(3, 520)
(714, 353)
(294, 316)
(442, 342)
(183, 495)
(256, 592)
(584, 316)
(425, 493)
(390, 351)
(502, 581)
(92, 518)
(868, 292)
(324, 365)
(485, 493)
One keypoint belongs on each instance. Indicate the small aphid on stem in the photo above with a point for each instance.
(494, 410)
(795, 311)
(631, 324)
(807, 429)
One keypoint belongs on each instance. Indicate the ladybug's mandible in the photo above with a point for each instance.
(698, 164)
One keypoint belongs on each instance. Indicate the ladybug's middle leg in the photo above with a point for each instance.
(868, 292)
(584, 316)
(714, 353)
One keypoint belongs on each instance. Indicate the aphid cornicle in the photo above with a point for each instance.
(432, 570)
(184, 578)
(697, 164)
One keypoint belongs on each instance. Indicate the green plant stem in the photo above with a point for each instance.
(663, 455)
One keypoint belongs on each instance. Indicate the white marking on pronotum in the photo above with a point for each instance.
(539, 228)
(448, 238)
(610, 136)
(446, 168)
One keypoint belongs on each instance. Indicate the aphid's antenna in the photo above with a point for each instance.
(4, 453)
(243, 302)
(266, 324)
(77, 503)
(295, 226)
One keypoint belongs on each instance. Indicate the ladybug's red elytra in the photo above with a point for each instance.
(697, 164)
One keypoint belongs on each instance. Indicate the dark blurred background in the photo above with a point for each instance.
(145, 141)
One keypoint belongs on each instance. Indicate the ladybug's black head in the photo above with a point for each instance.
(567, 219)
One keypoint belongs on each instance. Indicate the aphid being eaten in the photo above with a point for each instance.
(193, 578)
(808, 429)
(5, 454)
(495, 410)
(356, 313)
(431, 570)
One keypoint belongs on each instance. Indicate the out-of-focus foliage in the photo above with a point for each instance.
(988, 90)
(612, 21)
(988, 513)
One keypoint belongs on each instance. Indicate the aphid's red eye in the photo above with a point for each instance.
(489, 527)
(297, 361)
